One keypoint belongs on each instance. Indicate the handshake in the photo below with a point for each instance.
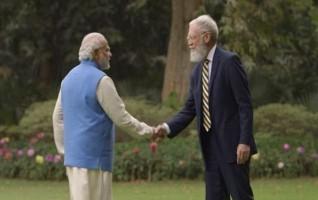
(159, 132)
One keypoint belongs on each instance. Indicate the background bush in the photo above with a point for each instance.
(285, 119)
(34, 157)
(179, 158)
(173, 159)
(285, 156)
(38, 117)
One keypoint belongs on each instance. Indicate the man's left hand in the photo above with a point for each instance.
(243, 153)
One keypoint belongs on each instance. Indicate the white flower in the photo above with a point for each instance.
(280, 165)
(256, 156)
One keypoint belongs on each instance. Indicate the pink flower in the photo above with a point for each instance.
(57, 158)
(19, 153)
(4, 140)
(49, 158)
(286, 147)
(30, 152)
(301, 150)
(40, 135)
(153, 147)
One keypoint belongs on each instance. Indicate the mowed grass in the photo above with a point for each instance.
(264, 189)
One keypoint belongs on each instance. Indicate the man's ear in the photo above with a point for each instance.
(94, 54)
(207, 37)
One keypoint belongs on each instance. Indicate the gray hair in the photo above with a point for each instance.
(90, 43)
(207, 24)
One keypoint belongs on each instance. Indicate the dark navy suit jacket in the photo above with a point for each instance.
(229, 103)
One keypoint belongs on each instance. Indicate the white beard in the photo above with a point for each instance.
(199, 53)
(104, 64)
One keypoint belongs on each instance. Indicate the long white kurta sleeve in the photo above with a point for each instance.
(58, 125)
(113, 106)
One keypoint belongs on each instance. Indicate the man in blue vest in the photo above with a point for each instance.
(86, 110)
(220, 100)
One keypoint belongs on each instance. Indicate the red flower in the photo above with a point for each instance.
(153, 147)
(8, 155)
(34, 140)
(2, 152)
(136, 150)
(40, 135)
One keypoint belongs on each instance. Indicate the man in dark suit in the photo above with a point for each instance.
(219, 98)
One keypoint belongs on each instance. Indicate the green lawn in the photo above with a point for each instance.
(264, 189)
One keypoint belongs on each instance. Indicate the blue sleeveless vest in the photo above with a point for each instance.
(88, 131)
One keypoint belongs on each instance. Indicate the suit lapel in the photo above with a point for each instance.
(199, 89)
(215, 67)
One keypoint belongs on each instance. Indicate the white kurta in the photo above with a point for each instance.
(88, 184)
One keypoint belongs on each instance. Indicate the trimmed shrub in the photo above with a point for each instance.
(285, 119)
(145, 111)
(38, 118)
(152, 114)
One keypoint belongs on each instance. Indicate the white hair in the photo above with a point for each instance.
(207, 24)
(90, 43)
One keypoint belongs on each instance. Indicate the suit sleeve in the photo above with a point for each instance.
(184, 117)
(239, 85)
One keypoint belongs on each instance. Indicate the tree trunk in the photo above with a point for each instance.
(47, 75)
(178, 67)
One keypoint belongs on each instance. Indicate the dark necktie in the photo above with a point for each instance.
(205, 96)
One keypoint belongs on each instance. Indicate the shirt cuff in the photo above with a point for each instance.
(165, 125)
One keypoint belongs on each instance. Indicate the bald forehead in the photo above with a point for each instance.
(194, 28)
(194, 31)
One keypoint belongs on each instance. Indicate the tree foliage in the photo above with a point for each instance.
(278, 42)
(40, 40)
(276, 39)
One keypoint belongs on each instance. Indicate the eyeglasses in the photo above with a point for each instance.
(194, 37)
